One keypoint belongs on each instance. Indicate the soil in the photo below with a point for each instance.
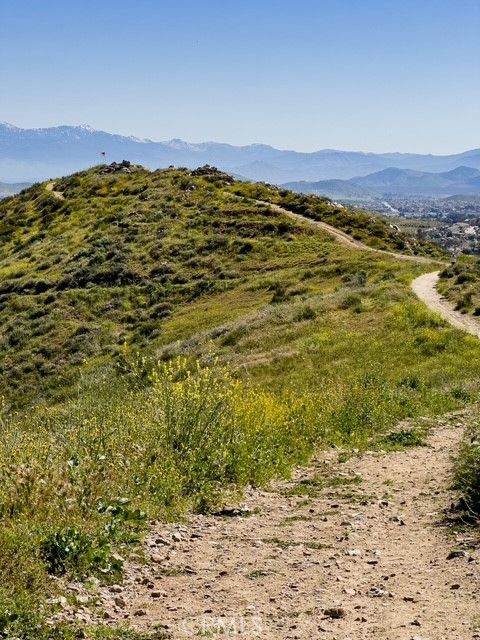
(373, 555)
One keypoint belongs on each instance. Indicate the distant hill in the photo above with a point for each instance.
(11, 189)
(331, 188)
(471, 199)
(461, 180)
(36, 154)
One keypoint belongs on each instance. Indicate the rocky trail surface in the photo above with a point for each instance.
(349, 548)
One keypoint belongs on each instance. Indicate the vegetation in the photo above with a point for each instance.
(104, 259)
(371, 229)
(460, 283)
(467, 474)
(167, 339)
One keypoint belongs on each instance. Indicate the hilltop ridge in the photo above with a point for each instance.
(105, 256)
(461, 180)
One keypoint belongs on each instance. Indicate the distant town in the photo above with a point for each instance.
(452, 222)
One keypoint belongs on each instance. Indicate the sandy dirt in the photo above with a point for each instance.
(425, 288)
(372, 557)
(50, 186)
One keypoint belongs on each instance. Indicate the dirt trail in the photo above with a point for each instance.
(344, 238)
(425, 288)
(50, 186)
(366, 558)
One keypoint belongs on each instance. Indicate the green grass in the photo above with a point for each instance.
(315, 486)
(123, 258)
(460, 284)
(402, 439)
(467, 474)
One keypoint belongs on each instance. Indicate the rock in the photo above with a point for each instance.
(189, 570)
(378, 592)
(158, 559)
(118, 558)
(116, 588)
(456, 553)
(350, 592)
(156, 594)
(140, 612)
(177, 537)
(120, 602)
(335, 613)
(353, 552)
(454, 587)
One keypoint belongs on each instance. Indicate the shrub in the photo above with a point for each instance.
(467, 473)
(305, 313)
(350, 300)
(73, 551)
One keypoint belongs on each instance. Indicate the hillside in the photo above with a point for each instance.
(98, 259)
(171, 337)
(329, 188)
(459, 283)
(36, 154)
(462, 180)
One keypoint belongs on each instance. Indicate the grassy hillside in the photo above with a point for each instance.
(187, 340)
(96, 260)
(460, 284)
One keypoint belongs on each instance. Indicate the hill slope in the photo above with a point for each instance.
(98, 259)
(188, 339)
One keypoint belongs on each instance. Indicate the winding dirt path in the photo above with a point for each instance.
(425, 288)
(50, 186)
(344, 238)
(370, 557)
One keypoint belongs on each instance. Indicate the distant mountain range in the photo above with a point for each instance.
(462, 180)
(36, 154)
(11, 189)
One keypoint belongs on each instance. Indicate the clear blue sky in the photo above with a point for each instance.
(375, 75)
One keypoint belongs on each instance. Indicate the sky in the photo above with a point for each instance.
(371, 75)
